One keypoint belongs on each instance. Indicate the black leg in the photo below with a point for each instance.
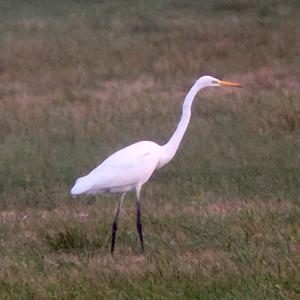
(138, 220)
(115, 225)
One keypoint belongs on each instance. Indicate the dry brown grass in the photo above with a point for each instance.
(79, 80)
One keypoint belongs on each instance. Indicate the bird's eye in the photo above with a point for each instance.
(214, 82)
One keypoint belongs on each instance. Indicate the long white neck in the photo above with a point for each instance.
(170, 148)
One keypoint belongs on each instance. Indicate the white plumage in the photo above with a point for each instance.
(122, 171)
(129, 168)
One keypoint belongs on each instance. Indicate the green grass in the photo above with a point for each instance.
(81, 79)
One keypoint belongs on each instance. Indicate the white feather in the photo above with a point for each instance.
(122, 171)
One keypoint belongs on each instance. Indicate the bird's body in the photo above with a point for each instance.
(123, 171)
(129, 168)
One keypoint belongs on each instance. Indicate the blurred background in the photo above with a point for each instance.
(82, 79)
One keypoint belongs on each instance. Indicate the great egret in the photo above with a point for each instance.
(129, 168)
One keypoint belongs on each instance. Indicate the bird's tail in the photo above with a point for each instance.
(81, 186)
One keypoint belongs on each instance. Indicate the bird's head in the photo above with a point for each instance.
(206, 81)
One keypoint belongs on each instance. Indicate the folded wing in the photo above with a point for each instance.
(122, 171)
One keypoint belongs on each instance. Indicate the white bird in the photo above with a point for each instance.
(129, 168)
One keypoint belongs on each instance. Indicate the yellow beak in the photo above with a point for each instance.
(229, 83)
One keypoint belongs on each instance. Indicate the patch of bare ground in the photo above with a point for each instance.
(122, 89)
(224, 208)
(270, 78)
(18, 98)
(219, 208)
(274, 103)
(129, 94)
(32, 23)
(40, 217)
(263, 79)
(84, 213)
(266, 79)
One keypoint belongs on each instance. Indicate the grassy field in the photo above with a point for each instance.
(81, 79)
